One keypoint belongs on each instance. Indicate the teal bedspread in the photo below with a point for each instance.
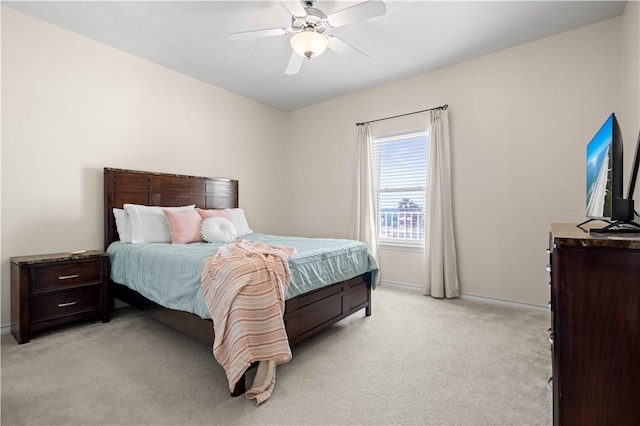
(169, 274)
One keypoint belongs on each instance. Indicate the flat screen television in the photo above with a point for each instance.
(605, 199)
(604, 166)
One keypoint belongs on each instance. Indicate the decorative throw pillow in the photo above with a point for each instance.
(214, 213)
(184, 225)
(218, 230)
(148, 223)
(239, 220)
(123, 225)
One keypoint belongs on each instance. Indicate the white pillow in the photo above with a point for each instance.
(148, 223)
(239, 220)
(123, 225)
(218, 230)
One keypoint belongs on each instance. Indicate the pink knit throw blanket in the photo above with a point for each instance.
(244, 286)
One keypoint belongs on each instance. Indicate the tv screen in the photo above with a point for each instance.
(604, 170)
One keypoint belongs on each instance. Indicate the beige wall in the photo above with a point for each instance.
(72, 106)
(520, 120)
(630, 83)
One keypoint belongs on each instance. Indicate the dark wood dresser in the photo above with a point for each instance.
(595, 327)
(52, 289)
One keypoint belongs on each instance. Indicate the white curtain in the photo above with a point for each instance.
(440, 265)
(363, 225)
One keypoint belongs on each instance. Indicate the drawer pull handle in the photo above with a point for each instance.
(62, 305)
(67, 277)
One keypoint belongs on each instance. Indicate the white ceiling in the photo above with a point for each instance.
(412, 38)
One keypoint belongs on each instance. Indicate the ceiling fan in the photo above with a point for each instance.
(308, 26)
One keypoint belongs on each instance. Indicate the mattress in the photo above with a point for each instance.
(169, 274)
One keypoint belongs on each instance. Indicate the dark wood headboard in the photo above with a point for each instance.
(162, 189)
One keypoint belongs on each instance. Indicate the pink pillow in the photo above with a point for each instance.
(184, 226)
(214, 213)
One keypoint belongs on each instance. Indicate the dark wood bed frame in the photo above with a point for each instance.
(305, 315)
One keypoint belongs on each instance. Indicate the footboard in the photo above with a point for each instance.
(305, 315)
(312, 312)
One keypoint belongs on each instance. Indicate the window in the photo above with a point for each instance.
(400, 170)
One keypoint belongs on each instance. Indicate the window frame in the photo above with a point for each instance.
(397, 243)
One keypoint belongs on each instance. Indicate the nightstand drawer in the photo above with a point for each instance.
(64, 303)
(65, 275)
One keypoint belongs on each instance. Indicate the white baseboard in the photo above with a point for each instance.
(471, 297)
(502, 302)
(403, 286)
(5, 329)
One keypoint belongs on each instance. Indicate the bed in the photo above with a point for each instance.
(306, 313)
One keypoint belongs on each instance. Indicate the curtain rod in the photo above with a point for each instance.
(443, 107)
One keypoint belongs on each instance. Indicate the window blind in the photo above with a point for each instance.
(400, 169)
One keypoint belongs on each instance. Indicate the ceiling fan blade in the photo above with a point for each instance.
(246, 35)
(359, 12)
(342, 47)
(295, 7)
(295, 62)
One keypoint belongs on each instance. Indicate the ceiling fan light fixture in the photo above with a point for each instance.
(309, 44)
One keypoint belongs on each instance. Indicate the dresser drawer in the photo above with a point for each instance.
(65, 303)
(65, 275)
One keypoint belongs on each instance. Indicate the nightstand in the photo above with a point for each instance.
(52, 289)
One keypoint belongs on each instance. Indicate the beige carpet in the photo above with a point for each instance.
(417, 360)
